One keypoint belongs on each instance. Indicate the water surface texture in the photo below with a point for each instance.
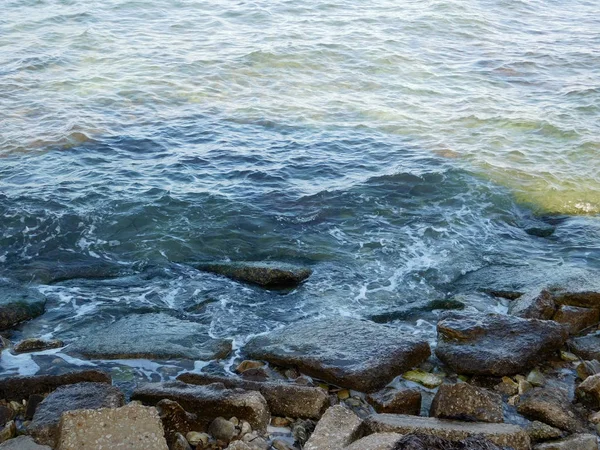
(392, 146)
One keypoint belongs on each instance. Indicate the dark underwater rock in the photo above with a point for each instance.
(18, 304)
(271, 275)
(495, 344)
(151, 336)
(346, 352)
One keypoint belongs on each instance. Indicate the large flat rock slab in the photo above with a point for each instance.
(19, 388)
(495, 344)
(500, 434)
(337, 429)
(18, 304)
(347, 352)
(284, 399)
(209, 402)
(270, 275)
(130, 427)
(150, 336)
(44, 426)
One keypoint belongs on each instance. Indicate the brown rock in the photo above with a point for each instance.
(462, 401)
(584, 298)
(18, 388)
(575, 442)
(9, 431)
(222, 429)
(270, 275)
(33, 345)
(499, 433)
(533, 305)
(576, 318)
(551, 406)
(130, 427)
(284, 399)
(44, 426)
(389, 400)
(32, 404)
(209, 402)
(588, 392)
(338, 428)
(176, 420)
(427, 442)
(539, 431)
(248, 364)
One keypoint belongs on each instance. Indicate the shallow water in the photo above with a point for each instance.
(391, 146)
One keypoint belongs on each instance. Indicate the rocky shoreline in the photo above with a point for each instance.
(529, 379)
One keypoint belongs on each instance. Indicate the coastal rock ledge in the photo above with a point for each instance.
(495, 344)
(346, 352)
(270, 275)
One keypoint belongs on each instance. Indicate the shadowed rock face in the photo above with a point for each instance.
(587, 347)
(346, 352)
(152, 336)
(19, 388)
(44, 426)
(494, 344)
(18, 304)
(270, 275)
(209, 402)
(425, 442)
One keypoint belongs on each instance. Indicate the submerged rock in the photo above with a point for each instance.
(494, 344)
(44, 426)
(33, 345)
(209, 402)
(533, 305)
(347, 352)
(462, 401)
(338, 428)
(271, 275)
(499, 433)
(19, 388)
(284, 399)
(151, 336)
(132, 426)
(18, 304)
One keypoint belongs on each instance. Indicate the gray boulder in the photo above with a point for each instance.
(22, 443)
(586, 347)
(396, 401)
(347, 352)
(462, 401)
(151, 336)
(376, 441)
(44, 426)
(495, 344)
(270, 275)
(18, 304)
(284, 399)
(209, 402)
(575, 442)
(551, 406)
(337, 429)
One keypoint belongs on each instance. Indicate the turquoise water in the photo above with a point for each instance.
(392, 146)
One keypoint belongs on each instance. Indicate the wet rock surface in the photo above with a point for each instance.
(396, 401)
(18, 388)
(320, 348)
(271, 275)
(338, 428)
(44, 426)
(463, 401)
(284, 399)
(503, 435)
(150, 336)
(18, 304)
(209, 402)
(176, 420)
(494, 344)
(576, 318)
(586, 347)
(576, 442)
(533, 305)
(588, 392)
(32, 345)
(130, 427)
(551, 406)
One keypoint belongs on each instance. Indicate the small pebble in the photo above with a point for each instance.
(195, 438)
